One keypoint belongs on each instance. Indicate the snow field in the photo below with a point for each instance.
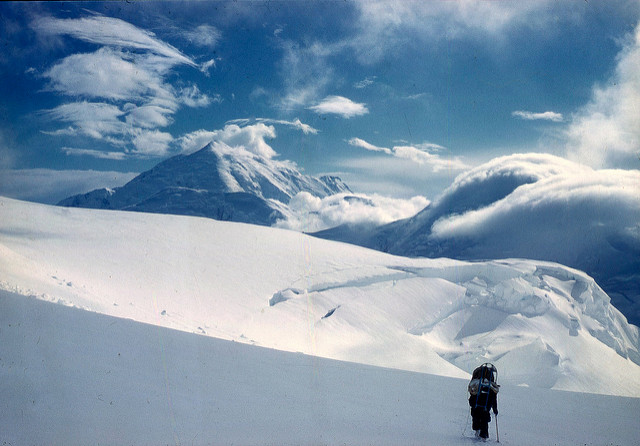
(542, 324)
(72, 377)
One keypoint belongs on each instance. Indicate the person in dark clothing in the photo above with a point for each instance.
(484, 398)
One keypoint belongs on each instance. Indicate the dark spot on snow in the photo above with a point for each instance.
(330, 313)
(164, 312)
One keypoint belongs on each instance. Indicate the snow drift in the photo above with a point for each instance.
(542, 324)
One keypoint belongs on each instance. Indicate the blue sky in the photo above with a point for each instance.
(397, 98)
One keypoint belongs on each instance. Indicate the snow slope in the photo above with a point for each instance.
(72, 377)
(542, 324)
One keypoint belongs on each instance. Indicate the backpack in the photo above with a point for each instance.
(483, 381)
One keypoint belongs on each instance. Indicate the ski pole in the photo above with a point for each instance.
(497, 434)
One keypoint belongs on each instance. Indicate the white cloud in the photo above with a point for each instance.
(94, 119)
(571, 217)
(296, 123)
(192, 97)
(365, 82)
(102, 122)
(384, 25)
(250, 138)
(340, 105)
(306, 74)
(419, 154)
(503, 174)
(206, 66)
(106, 73)
(606, 132)
(531, 116)
(151, 143)
(148, 116)
(310, 213)
(100, 154)
(128, 73)
(112, 32)
(357, 142)
(204, 35)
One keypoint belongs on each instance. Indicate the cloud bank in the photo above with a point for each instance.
(311, 214)
(50, 186)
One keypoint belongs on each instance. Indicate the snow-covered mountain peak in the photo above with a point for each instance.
(218, 181)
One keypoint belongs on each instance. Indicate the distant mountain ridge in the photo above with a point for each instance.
(219, 182)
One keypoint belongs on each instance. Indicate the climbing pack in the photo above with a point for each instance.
(483, 381)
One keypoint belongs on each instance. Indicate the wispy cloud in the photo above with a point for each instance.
(365, 82)
(204, 35)
(93, 119)
(110, 32)
(606, 131)
(383, 25)
(100, 154)
(533, 116)
(422, 154)
(206, 66)
(306, 73)
(296, 124)
(339, 105)
(119, 92)
(357, 142)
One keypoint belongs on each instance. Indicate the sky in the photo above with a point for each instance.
(396, 98)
